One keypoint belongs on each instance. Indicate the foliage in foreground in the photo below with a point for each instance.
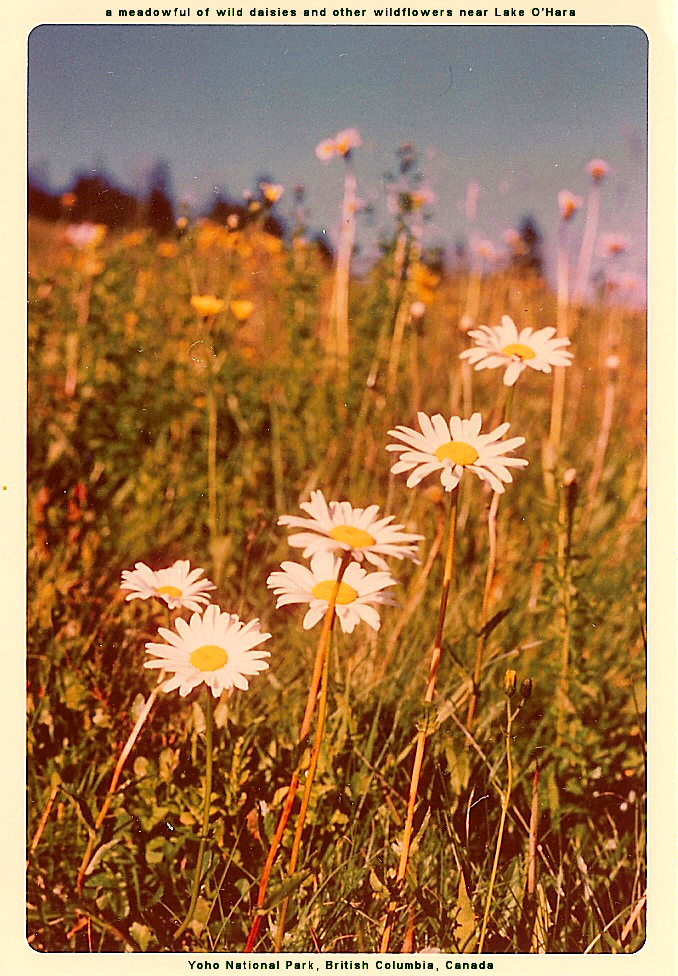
(122, 374)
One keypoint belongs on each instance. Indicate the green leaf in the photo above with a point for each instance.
(458, 768)
(542, 922)
(464, 919)
(200, 915)
(74, 692)
(494, 622)
(287, 888)
(141, 934)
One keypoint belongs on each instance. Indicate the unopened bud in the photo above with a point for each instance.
(572, 487)
(510, 682)
(526, 688)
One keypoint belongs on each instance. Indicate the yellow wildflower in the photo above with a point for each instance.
(167, 249)
(242, 309)
(207, 305)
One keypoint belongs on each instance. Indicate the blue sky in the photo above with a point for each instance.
(520, 110)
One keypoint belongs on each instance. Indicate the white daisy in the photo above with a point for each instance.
(357, 590)
(503, 345)
(453, 448)
(215, 649)
(178, 585)
(339, 526)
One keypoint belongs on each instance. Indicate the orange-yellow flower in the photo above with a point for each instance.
(167, 249)
(612, 245)
(271, 191)
(210, 235)
(90, 265)
(207, 305)
(598, 169)
(134, 238)
(325, 150)
(346, 140)
(568, 204)
(425, 282)
(422, 198)
(242, 309)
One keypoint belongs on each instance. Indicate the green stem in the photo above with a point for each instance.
(318, 669)
(212, 517)
(552, 447)
(508, 404)
(568, 501)
(489, 580)
(133, 736)
(205, 817)
(423, 729)
(504, 810)
(310, 776)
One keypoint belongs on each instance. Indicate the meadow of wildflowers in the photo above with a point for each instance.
(336, 588)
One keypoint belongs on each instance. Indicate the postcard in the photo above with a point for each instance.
(340, 489)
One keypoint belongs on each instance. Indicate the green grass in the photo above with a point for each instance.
(118, 473)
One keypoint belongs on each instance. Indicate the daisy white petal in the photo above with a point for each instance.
(451, 453)
(370, 616)
(357, 590)
(422, 472)
(315, 613)
(215, 649)
(440, 426)
(339, 527)
(513, 371)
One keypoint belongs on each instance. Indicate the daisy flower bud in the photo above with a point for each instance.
(510, 682)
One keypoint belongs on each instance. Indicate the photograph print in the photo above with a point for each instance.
(337, 473)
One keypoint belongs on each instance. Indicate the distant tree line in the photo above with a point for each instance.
(95, 198)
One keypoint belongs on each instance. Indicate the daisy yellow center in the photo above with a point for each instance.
(352, 536)
(519, 350)
(209, 657)
(324, 590)
(458, 452)
(168, 591)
